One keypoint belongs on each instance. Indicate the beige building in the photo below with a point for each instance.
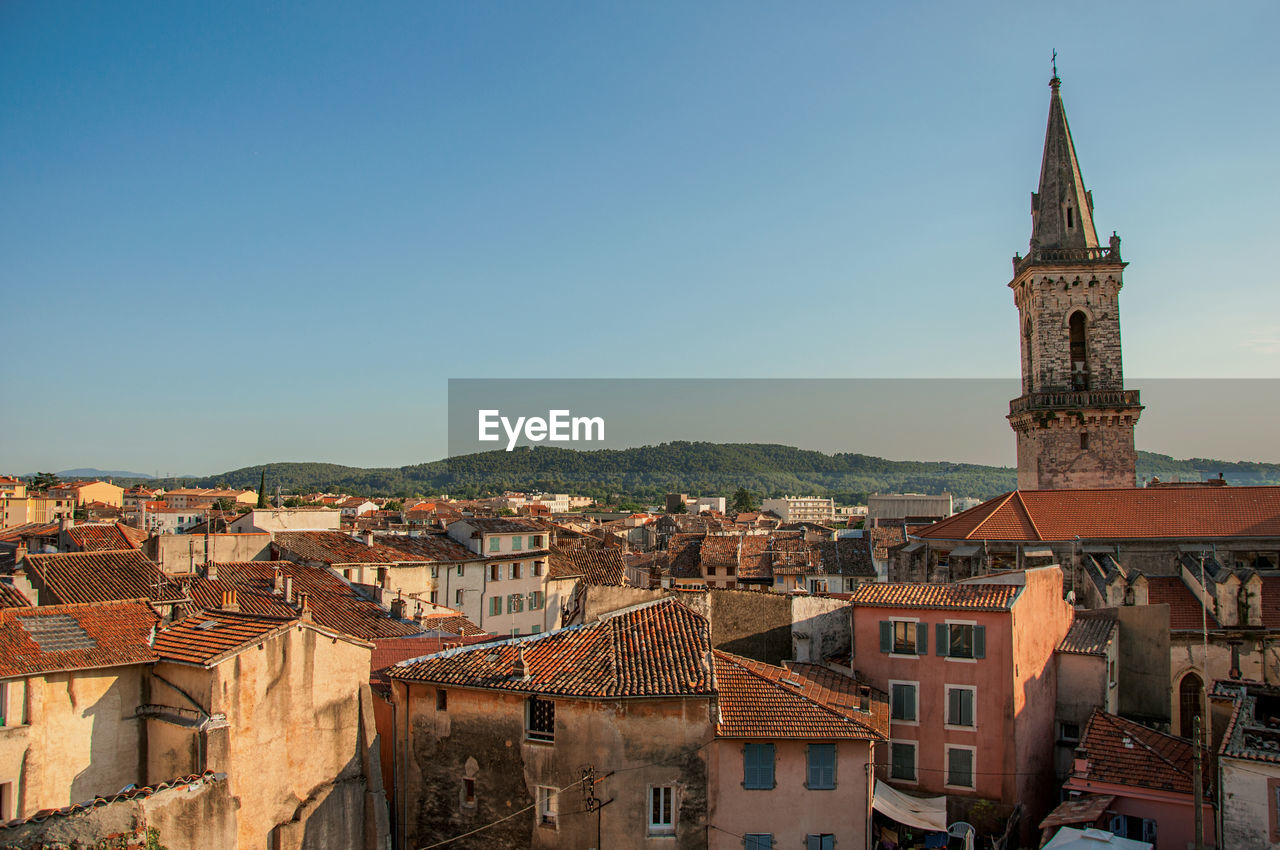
(801, 508)
(287, 519)
(83, 492)
(23, 509)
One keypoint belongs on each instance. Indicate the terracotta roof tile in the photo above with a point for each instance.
(11, 597)
(1118, 514)
(657, 649)
(454, 624)
(335, 604)
(978, 597)
(1091, 632)
(599, 567)
(1184, 608)
(1253, 732)
(758, 700)
(75, 577)
(1122, 752)
(208, 637)
(388, 652)
(336, 547)
(97, 537)
(75, 637)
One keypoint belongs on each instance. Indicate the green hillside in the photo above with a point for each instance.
(646, 473)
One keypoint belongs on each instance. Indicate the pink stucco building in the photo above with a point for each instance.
(971, 683)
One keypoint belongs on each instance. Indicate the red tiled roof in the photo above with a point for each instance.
(74, 577)
(336, 547)
(758, 700)
(454, 623)
(335, 604)
(658, 649)
(389, 652)
(600, 567)
(11, 597)
(207, 637)
(1122, 752)
(1117, 514)
(1091, 632)
(97, 537)
(75, 637)
(978, 597)
(1184, 608)
(16, 533)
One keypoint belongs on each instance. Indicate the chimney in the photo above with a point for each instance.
(517, 666)
(397, 608)
(230, 601)
(304, 603)
(277, 582)
(368, 538)
(417, 614)
(19, 554)
(288, 590)
(211, 571)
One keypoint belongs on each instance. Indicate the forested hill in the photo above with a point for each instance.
(646, 473)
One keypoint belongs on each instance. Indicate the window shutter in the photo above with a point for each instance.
(944, 639)
(953, 707)
(922, 639)
(886, 636)
(979, 641)
(813, 842)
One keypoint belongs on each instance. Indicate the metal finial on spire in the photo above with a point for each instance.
(1055, 82)
(1055, 61)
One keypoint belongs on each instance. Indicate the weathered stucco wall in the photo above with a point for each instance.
(81, 740)
(479, 736)
(820, 627)
(1143, 663)
(1247, 814)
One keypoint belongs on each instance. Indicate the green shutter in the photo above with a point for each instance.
(922, 639)
(886, 636)
(979, 641)
(944, 639)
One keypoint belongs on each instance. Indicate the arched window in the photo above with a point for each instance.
(1190, 703)
(1077, 327)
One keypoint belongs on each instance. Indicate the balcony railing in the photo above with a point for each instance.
(1109, 253)
(1075, 400)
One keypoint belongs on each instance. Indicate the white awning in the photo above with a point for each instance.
(1037, 552)
(966, 550)
(913, 546)
(921, 812)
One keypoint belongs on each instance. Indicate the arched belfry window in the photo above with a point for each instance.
(1077, 327)
(1190, 704)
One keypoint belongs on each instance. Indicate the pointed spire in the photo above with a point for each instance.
(1062, 211)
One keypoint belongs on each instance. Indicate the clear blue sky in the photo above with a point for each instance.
(240, 232)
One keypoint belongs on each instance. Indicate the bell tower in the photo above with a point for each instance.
(1074, 420)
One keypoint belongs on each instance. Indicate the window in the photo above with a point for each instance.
(515, 570)
(495, 544)
(515, 603)
(662, 810)
(1084, 440)
(435, 597)
(4, 708)
(962, 640)
(757, 766)
(540, 722)
(517, 543)
(902, 760)
(535, 542)
(902, 701)
(822, 767)
(1130, 826)
(495, 606)
(536, 600)
(457, 597)
(536, 630)
(960, 699)
(435, 572)
(495, 572)
(1068, 733)
(960, 767)
(903, 637)
(469, 793)
(442, 699)
(546, 806)
(825, 841)
(537, 568)
(757, 841)
(459, 569)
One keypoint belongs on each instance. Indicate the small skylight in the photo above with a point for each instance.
(209, 624)
(57, 632)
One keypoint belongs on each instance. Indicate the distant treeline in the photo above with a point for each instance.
(645, 474)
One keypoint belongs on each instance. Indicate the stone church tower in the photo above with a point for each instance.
(1074, 420)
